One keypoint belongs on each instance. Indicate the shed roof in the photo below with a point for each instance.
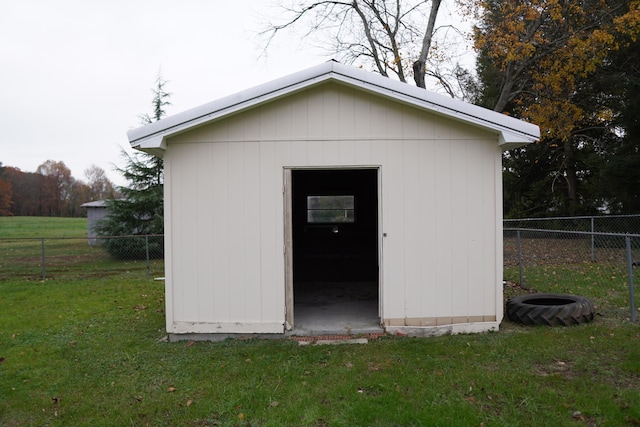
(513, 132)
(95, 204)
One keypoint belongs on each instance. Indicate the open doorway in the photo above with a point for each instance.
(334, 247)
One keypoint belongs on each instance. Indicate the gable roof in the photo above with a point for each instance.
(513, 132)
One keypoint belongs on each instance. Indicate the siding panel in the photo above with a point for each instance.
(462, 185)
(429, 202)
(204, 228)
(412, 222)
(236, 235)
(219, 218)
(444, 222)
(251, 230)
(271, 267)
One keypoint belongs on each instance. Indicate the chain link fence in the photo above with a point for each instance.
(81, 258)
(597, 256)
(577, 255)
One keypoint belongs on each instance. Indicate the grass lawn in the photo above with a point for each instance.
(85, 348)
(39, 227)
(88, 352)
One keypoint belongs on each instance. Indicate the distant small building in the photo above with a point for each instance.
(96, 211)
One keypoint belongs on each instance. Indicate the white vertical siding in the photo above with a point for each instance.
(438, 186)
(444, 286)
(217, 184)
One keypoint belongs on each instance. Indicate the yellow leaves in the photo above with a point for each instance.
(629, 23)
(556, 44)
(558, 117)
(555, 11)
(604, 116)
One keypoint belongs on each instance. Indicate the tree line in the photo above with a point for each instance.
(51, 190)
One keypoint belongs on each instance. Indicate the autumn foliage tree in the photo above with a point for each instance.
(6, 194)
(50, 191)
(547, 61)
(58, 185)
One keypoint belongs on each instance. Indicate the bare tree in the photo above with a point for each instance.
(100, 186)
(393, 36)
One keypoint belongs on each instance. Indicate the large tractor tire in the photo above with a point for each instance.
(550, 309)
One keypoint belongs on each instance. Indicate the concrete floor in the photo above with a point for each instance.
(330, 308)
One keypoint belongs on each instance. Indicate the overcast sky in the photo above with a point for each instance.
(77, 74)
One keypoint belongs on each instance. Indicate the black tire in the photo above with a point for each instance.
(550, 309)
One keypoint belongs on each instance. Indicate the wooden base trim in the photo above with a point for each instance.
(437, 321)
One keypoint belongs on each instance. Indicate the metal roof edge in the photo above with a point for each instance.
(511, 130)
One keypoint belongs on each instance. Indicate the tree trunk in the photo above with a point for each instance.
(571, 176)
(419, 67)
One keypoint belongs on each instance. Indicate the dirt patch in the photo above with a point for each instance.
(557, 368)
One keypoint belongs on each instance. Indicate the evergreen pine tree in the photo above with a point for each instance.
(140, 210)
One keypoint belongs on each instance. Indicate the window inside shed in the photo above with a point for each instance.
(330, 209)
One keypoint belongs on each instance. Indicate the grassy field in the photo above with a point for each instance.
(89, 351)
(39, 227)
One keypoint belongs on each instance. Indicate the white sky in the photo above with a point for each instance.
(76, 74)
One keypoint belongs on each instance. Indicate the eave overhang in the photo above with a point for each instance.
(512, 133)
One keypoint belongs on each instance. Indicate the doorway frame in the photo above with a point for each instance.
(287, 192)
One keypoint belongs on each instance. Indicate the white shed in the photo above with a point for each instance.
(334, 193)
(96, 212)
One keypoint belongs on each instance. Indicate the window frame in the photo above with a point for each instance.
(329, 200)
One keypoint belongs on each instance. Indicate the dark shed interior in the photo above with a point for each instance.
(335, 243)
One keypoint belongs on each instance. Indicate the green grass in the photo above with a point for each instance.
(88, 352)
(85, 348)
(39, 227)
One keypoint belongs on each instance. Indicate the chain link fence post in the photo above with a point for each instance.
(146, 242)
(44, 268)
(632, 300)
(519, 243)
(593, 240)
